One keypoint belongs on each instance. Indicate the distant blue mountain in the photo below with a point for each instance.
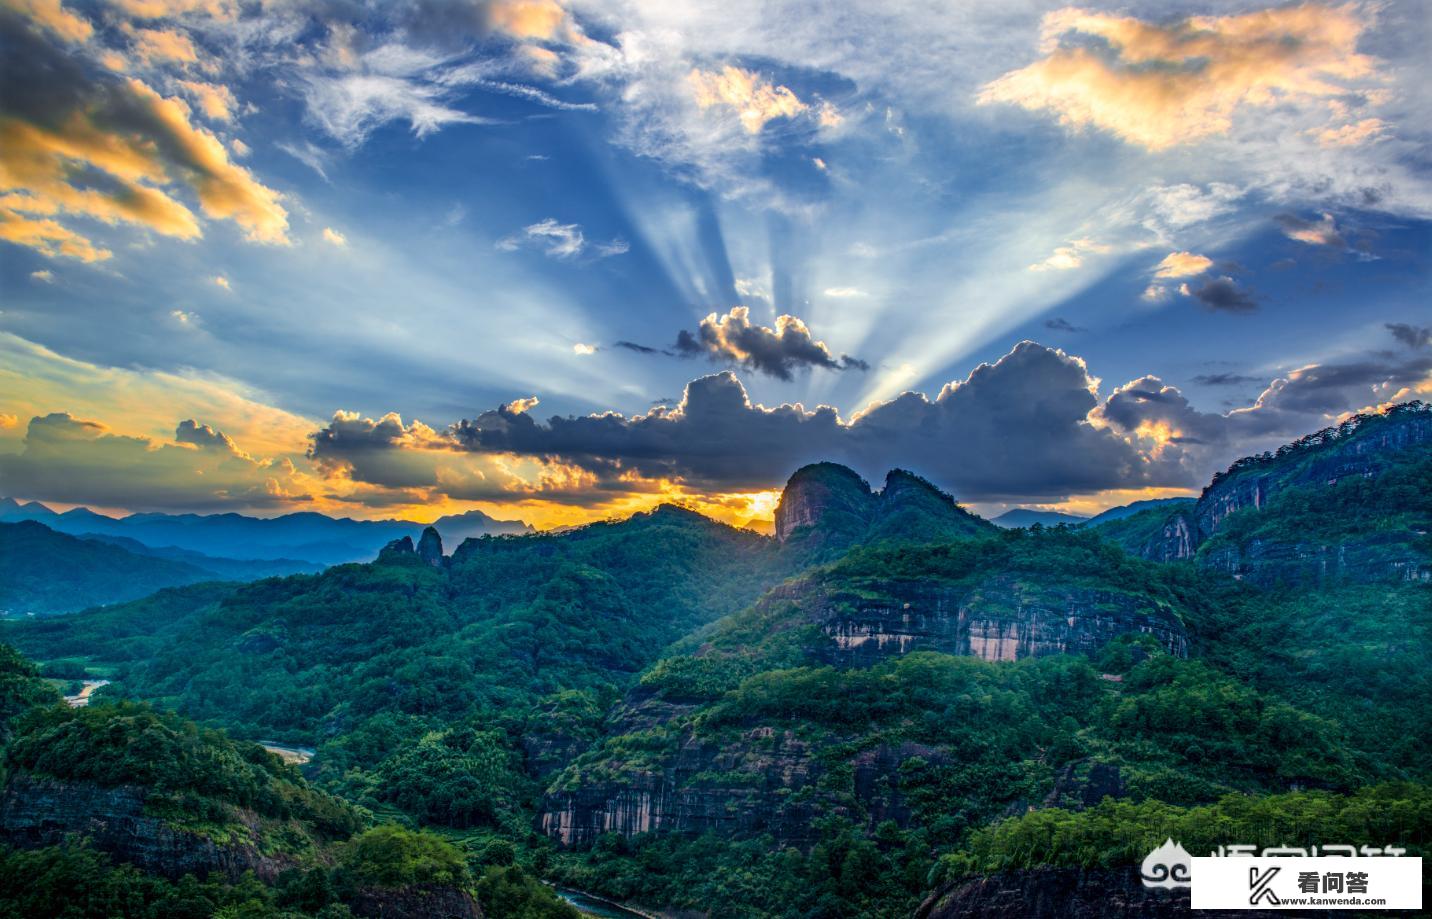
(1028, 517)
(303, 537)
(1128, 510)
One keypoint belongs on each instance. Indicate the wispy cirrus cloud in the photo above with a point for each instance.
(561, 241)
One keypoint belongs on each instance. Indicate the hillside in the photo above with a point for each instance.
(874, 708)
(43, 572)
(1026, 517)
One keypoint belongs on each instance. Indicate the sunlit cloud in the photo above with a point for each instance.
(1067, 258)
(1160, 85)
(1182, 265)
(215, 101)
(753, 99)
(561, 241)
(334, 238)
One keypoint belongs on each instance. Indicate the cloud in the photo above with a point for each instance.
(560, 241)
(775, 352)
(844, 293)
(582, 350)
(223, 282)
(215, 101)
(76, 461)
(1182, 265)
(1156, 293)
(1067, 258)
(44, 275)
(1221, 294)
(639, 349)
(1158, 85)
(1322, 232)
(1225, 379)
(1062, 325)
(51, 15)
(162, 45)
(754, 100)
(92, 145)
(335, 238)
(8, 421)
(1352, 135)
(1412, 336)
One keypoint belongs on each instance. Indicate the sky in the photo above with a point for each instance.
(562, 260)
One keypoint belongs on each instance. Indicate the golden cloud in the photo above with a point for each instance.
(163, 45)
(754, 99)
(48, 237)
(333, 237)
(169, 9)
(1351, 135)
(539, 19)
(1182, 265)
(1161, 85)
(52, 15)
(215, 101)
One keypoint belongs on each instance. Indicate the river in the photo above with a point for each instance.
(82, 698)
(591, 905)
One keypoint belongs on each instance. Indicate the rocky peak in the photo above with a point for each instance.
(430, 547)
(398, 548)
(824, 498)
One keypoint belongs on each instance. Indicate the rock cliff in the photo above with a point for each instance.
(827, 507)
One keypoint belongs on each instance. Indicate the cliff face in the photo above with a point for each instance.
(417, 901)
(766, 780)
(37, 811)
(1312, 552)
(825, 500)
(1000, 618)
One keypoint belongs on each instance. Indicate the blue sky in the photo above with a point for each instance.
(309, 226)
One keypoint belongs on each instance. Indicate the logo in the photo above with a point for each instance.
(1167, 866)
(1258, 883)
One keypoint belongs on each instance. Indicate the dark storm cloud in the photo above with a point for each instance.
(1223, 293)
(1412, 336)
(1062, 325)
(777, 352)
(1013, 428)
(639, 349)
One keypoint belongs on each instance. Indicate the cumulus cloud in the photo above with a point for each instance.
(334, 238)
(561, 241)
(215, 100)
(777, 352)
(1158, 85)
(88, 144)
(1182, 265)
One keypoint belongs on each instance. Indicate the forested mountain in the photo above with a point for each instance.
(891, 701)
(43, 572)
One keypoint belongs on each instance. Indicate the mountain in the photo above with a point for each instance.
(1128, 510)
(827, 508)
(1348, 503)
(43, 572)
(890, 706)
(1027, 517)
(225, 569)
(305, 537)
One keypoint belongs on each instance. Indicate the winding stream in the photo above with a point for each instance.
(592, 905)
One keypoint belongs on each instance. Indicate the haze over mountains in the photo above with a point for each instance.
(303, 537)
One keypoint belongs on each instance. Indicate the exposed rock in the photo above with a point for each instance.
(37, 811)
(827, 507)
(1064, 893)
(430, 547)
(1001, 618)
(398, 548)
(417, 901)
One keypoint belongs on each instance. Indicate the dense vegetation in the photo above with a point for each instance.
(457, 701)
(44, 572)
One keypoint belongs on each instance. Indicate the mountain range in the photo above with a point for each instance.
(890, 707)
(303, 537)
